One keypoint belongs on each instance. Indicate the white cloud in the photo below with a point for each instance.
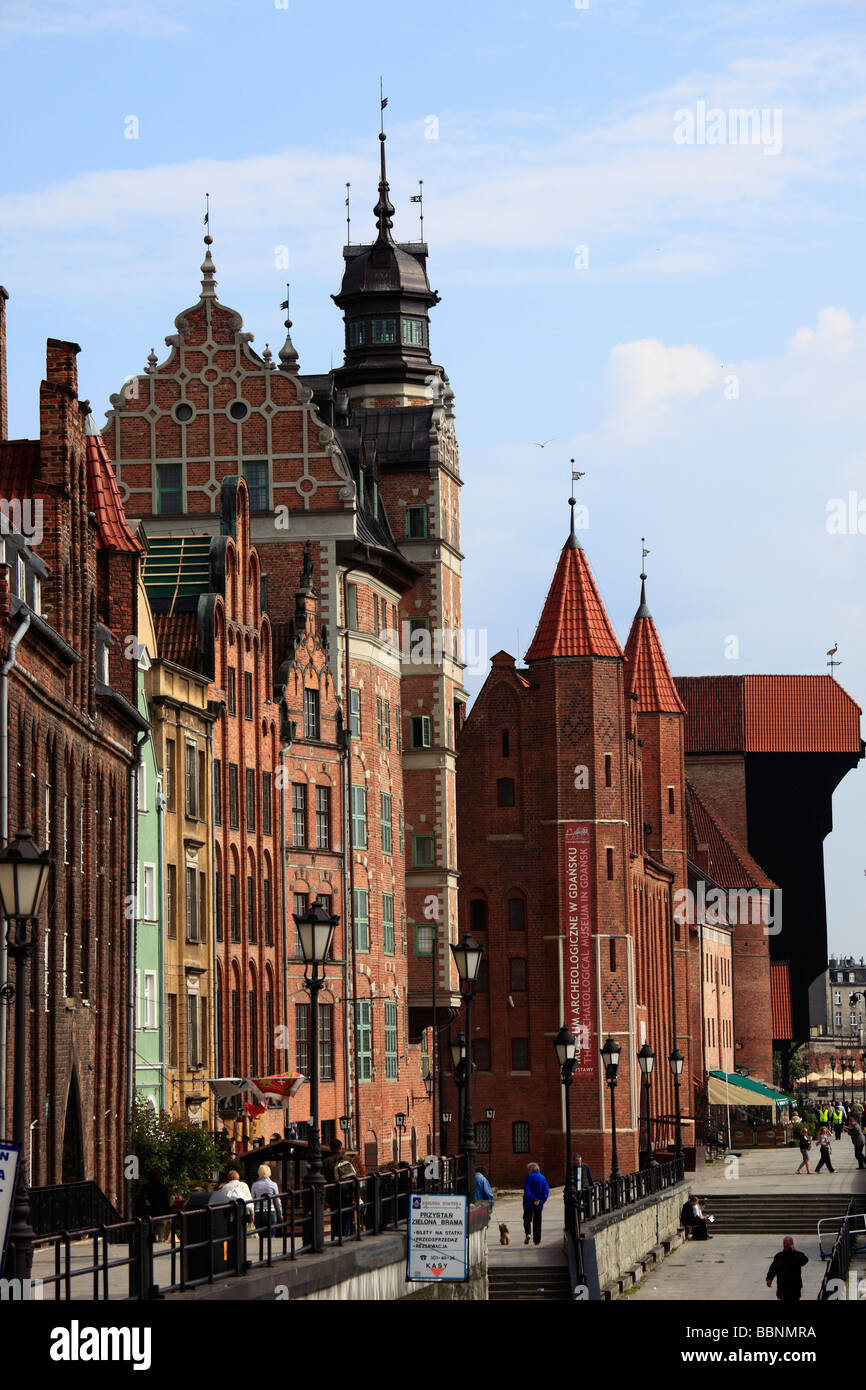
(646, 372)
(68, 18)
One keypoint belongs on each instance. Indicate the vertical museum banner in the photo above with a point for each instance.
(577, 895)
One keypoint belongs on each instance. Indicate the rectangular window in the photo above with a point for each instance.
(267, 918)
(380, 731)
(171, 900)
(192, 905)
(482, 1135)
(364, 1041)
(416, 523)
(505, 744)
(481, 1053)
(376, 614)
(400, 830)
(256, 476)
(311, 714)
(387, 829)
(218, 905)
(355, 713)
(397, 717)
(670, 801)
(359, 817)
(352, 607)
(193, 1047)
(252, 1020)
(326, 1042)
(191, 782)
(234, 908)
(169, 489)
(252, 914)
(356, 333)
(361, 914)
(217, 792)
(169, 774)
(171, 1029)
(609, 858)
(236, 1033)
(387, 724)
(299, 814)
(202, 784)
(300, 902)
(266, 803)
(302, 1038)
(251, 798)
(248, 695)
(413, 332)
(384, 330)
(269, 1032)
(518, 975)
(148, 908)
(323, 817)
(390, 1041)
(477, 914)
(141, 787)
(608, 772)
(425, 936)
(388, 944)
(520, 1137)
(234, 806)
(232, 702)
(421, 731)
(422, 851)
(505, 791)
(150, 999)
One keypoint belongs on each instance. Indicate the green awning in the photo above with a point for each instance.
(758, 1091)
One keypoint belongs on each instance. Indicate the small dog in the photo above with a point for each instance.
(504, 1235)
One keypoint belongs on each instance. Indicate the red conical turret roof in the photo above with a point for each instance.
(646, 670)
(573, 621)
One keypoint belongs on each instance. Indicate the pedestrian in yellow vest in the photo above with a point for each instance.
(838, 1120)
(824, 1115)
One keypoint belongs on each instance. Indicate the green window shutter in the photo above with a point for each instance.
(388, 924)
(355, 713)
(391, 1070)
(359, 817)
(364, 1041)
(385, 818)
(361, 914)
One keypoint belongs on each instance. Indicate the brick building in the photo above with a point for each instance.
(70, 572)
(361, 463)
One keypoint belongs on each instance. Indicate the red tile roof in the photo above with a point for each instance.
(103, 495)
(177, 638)
(646, 670)
(768, 714)
(780, 999)
(573, 621)
(20, 464)
(727, 861)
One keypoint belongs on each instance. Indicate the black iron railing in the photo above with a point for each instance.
(628, 1188)
(190, 1248)
(70, 1206)
(839, 1259)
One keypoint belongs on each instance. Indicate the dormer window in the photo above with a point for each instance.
(384, 330)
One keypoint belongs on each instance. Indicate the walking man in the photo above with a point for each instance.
(823, 1137)
(838, 1119)
(535, 1194)
(787, 1270)
(857, 1139)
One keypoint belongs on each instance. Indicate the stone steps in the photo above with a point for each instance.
(532, 1283)
(756, 1213)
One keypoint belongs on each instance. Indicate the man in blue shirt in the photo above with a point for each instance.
(535, 1194)
(483, 1190)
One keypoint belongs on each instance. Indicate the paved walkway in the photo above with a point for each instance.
(775, 1170)
(509, 1208)
(726, 1269)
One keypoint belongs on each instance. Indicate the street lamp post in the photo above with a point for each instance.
(863, 1065)
(316, 929)
(676, 1060)
(646, 1060)
(566, 1053)
(833, 1071)
(23, 876)
(458, 1061)
(467, 957)
(610, 1052)
(400, 1125)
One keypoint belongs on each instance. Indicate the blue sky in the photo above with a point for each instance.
(703, 357)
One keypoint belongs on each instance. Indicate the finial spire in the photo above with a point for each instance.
(573, 542)
(288, 356)
(348, 218)
(643, 610)
(419, 199)
(208, 269)
(384, 208)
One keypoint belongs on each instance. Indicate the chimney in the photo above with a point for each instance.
(61, 368)
(4, 392)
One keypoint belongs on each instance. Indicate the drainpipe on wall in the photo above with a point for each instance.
(4, 831)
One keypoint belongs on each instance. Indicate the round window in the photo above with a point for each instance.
(239, 410)
(183, 411)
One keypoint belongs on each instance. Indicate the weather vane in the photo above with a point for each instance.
(831, 663)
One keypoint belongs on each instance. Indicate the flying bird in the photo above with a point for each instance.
(546, 442)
